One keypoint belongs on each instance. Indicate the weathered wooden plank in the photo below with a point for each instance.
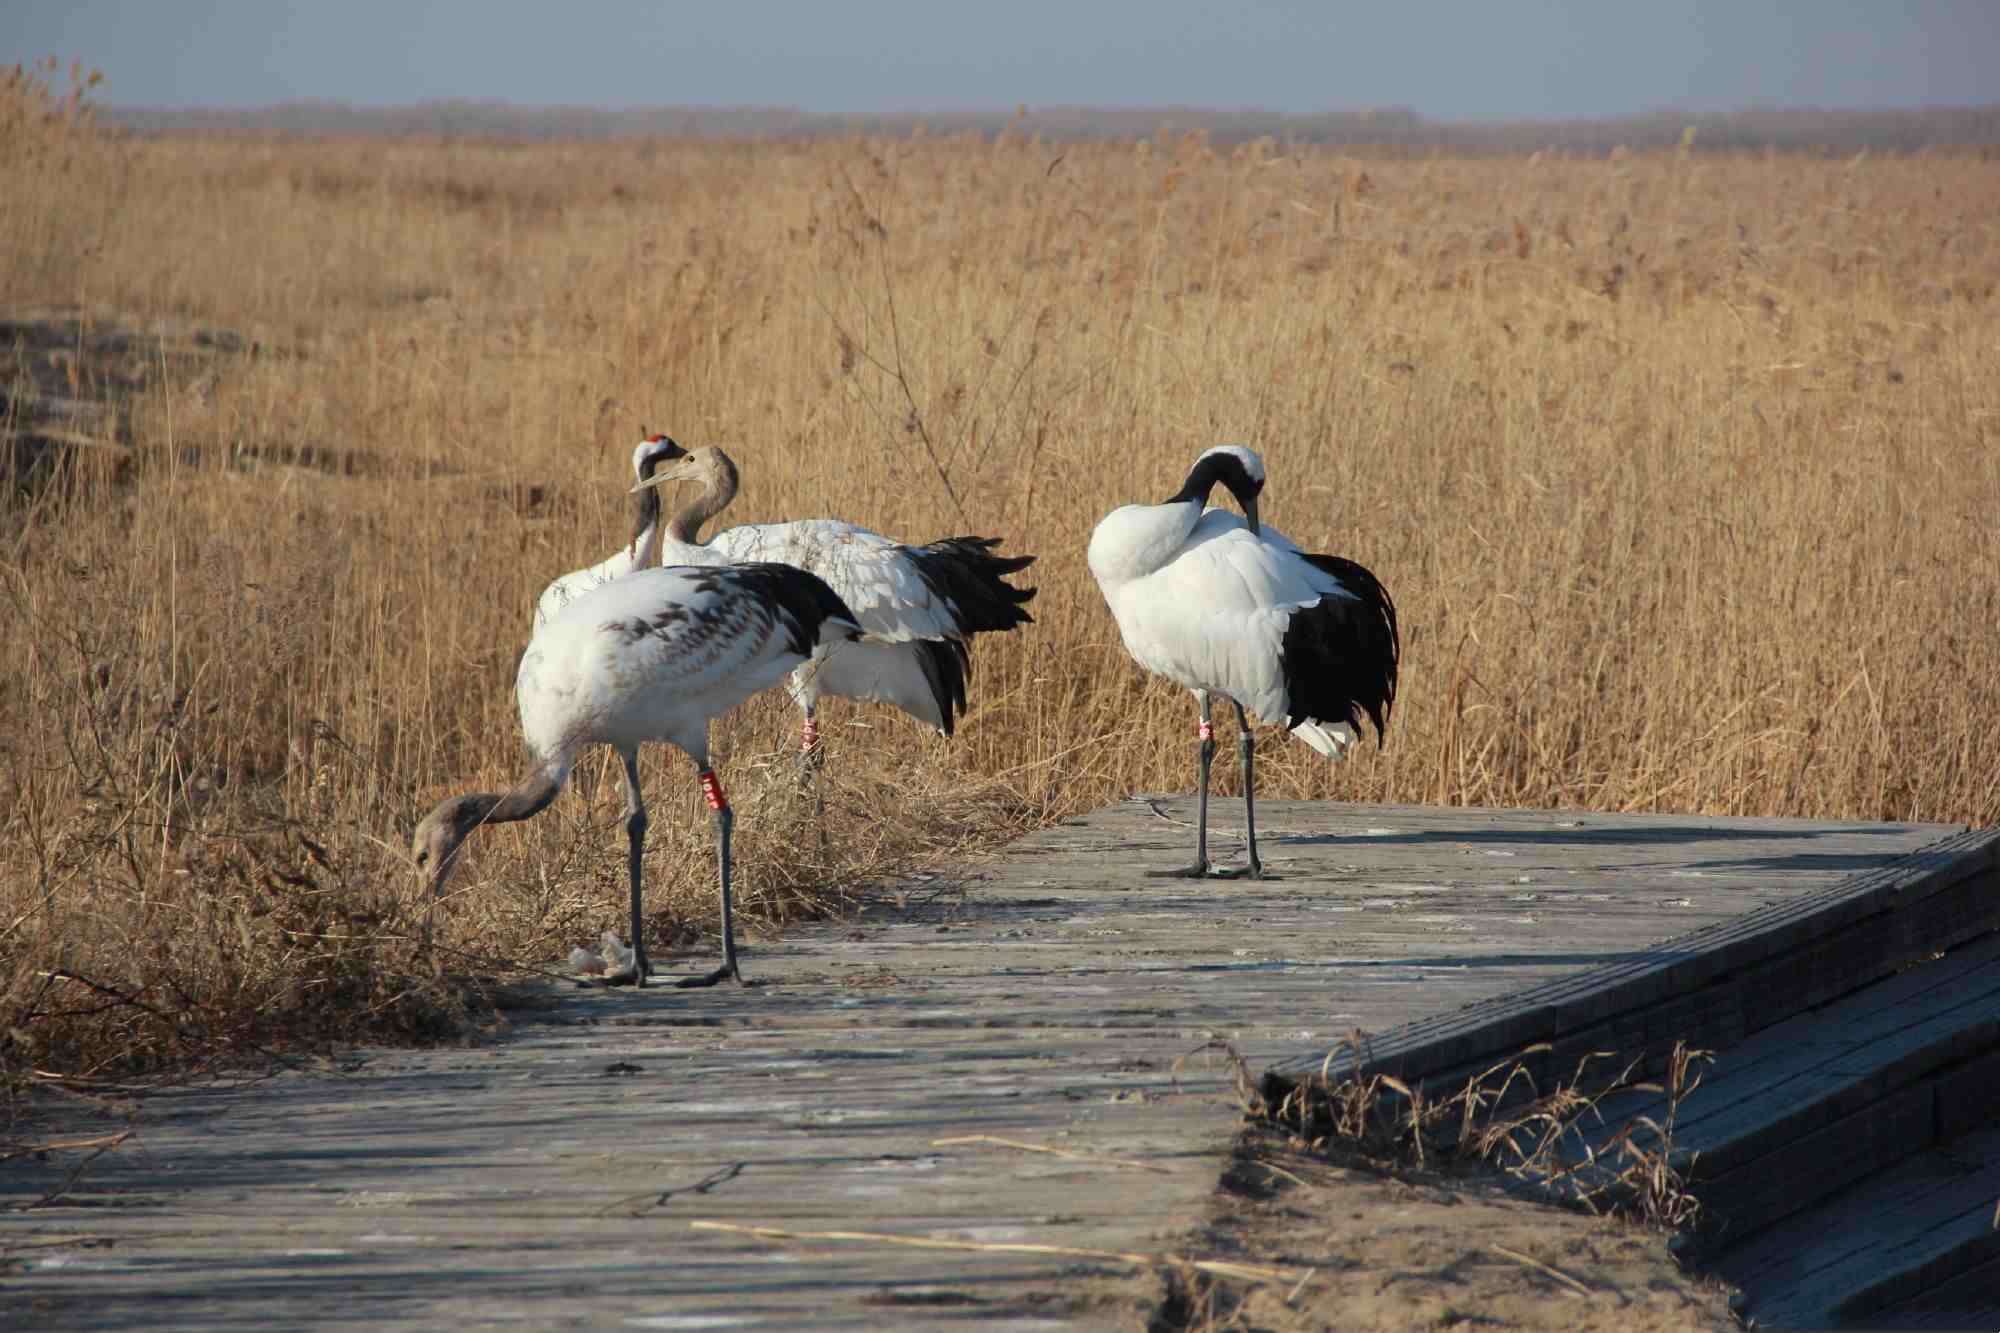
(1965, 861)
(1967, 1300)
(1733, 1008)
(1895, 1237)
(1791, 1174)
(1063, 999)
(1765, 1087)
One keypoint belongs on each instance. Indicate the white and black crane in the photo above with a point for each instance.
(918, 606)
(1222, 605)
(649, 453)
(651, 656)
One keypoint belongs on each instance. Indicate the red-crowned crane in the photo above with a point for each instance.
(1222, 605)
(918, 606)
(651, 656)
(651, 451)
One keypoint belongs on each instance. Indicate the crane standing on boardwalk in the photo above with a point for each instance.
(1222, 605)
(651, 656)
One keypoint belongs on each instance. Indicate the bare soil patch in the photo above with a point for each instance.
(1406, 1250)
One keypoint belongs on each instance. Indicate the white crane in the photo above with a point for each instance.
(1224, 606)
(918, 606)
(651, 656)
(651, 451)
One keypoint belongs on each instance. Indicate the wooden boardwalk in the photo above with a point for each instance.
(555, 1173)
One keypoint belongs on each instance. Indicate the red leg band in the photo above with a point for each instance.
(808, 734)
(711, 787)
(1205, 731)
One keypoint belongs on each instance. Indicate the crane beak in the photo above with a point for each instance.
(434, 877)
(434, 850)
(681, 471)
(1250, 515)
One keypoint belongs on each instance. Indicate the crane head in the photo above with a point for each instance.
(708, 465)
(650, 453)
(434, 846)
(1240, 471)
(1240, 465)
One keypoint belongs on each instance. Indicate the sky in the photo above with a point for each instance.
(1446, 59)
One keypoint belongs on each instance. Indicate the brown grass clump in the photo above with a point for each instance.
(1431, 1184)
(1500, 1120)
(1681, 470)
(64, 177)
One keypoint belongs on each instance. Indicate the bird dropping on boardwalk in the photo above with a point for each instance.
(1223, 605)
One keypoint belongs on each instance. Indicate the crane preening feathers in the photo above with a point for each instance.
(649, 656)
(1222, 605)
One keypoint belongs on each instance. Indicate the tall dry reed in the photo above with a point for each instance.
(1681, 469)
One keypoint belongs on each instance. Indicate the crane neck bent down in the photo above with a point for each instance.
(525, 799)
(1134, 540)
(453, 819)
(1236, 468)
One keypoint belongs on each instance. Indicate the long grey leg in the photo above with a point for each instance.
(1200, 866)
(1246, 744)
(635, 836)
(724, 819)
(811, 759)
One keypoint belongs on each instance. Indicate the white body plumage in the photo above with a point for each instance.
(653, 656)
(1205, 602)
(575, 584)
(1222, 605)
(918, 606)
(876, 578)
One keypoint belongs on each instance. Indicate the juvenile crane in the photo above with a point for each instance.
(1222, 605)
(651, 656)
(918, 606)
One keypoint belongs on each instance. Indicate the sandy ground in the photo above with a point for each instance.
(1412, 1250)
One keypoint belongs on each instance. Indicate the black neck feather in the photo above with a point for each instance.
(646, 509)
(1210, 469)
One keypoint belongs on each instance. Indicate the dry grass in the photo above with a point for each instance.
(1380, 1246)
(1499, 1120)
(1497, 1128)
(1682, 469)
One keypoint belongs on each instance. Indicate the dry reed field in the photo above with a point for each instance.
(1681, 468)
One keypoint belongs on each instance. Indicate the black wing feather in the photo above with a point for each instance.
(964, 572)
(1341, 654)
(808, 609)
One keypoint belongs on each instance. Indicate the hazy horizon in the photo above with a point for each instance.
(1534, 60)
